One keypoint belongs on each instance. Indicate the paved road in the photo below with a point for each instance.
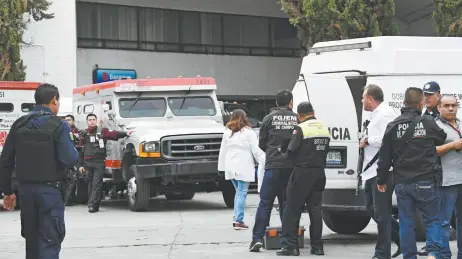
(200, 228)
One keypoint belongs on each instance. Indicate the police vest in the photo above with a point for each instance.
(36, 159)
(91, 144)
(314, 146)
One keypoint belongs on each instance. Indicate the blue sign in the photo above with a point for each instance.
(105, 75)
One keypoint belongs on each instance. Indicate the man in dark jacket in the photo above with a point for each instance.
(409, 145)
(276, 127)
(94, 157)
(72, 186)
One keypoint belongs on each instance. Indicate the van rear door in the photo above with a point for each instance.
(337, 102)
(15, 104)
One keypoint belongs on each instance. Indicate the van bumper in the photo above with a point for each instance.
(343, 200)
(193, 170)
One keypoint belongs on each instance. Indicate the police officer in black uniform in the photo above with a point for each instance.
(308, 148)
(94, 157)
(409, 145)
(39, 146)
(277, 126)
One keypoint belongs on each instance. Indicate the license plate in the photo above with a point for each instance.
(334, 158)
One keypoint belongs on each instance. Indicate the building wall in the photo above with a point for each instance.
(235, 74)
(51, 55)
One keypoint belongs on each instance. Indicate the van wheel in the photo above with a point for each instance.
(139, 194)
(180, 196)
(228, 192)
(344, 222)
(127, 161)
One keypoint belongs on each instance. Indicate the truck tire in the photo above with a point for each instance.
(139, 194)
(228, 192)
(127, 161)
(82, 191)
(180, 196)
(345, 222)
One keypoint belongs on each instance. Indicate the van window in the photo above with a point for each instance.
(88, 108)
(27, 107)
(6, 107)
(192, 106)
(110, 104)
(144, 107)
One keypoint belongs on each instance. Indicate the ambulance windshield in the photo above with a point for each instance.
(144, 107)
(192, 106)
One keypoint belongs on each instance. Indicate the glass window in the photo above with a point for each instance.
(144, 107)
(192, 106)
(6, 107)
(27, 107)
(88, 108)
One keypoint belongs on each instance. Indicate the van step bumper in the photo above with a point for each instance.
(343, 200)
(205, 168)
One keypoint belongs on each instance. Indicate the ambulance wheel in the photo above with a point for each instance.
(139, 194)
(345, 222)
(180, 196)
(228, 192)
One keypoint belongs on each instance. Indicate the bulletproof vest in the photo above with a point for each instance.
(36, 159)
(91, 144)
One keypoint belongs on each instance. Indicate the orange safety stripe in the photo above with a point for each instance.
(13, 85)
(146, 83)
(113, 163)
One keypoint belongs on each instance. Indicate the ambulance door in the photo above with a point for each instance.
(339, 107)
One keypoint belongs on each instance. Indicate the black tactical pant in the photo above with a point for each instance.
(305, 186)
(95, 173)
(379, 206)
(42, 220)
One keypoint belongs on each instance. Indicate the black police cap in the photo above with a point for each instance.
(431, 87)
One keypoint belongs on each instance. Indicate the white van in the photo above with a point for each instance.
(65, 106)
(332, 78)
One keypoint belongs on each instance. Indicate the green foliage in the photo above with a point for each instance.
(448, 18)
(12, 27)
(325, 20)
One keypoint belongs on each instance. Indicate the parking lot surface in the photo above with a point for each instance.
(195, 229)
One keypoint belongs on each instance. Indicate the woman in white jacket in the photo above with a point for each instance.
(238, 152)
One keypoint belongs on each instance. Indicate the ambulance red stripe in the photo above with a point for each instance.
(147, 83)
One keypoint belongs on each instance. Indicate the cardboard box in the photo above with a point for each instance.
(272, 238)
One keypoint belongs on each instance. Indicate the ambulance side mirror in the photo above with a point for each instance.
(105, 107)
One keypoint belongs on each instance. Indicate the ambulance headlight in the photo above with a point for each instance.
(150, 149)
(151, 146)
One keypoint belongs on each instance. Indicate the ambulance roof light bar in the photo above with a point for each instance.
(361, 46)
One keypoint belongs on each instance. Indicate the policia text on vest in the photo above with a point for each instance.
(308, 148)
(40, 148)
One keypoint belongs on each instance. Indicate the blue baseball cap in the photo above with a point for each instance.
(431, 87)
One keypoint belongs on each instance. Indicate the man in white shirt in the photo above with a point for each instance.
(378, 204)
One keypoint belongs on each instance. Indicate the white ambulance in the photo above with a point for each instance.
(332, 78)
(178, 127)
(16, 100)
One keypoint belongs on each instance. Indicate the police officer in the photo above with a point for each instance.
(72, 186)
(276, 127)
(409, 145)
(432, 94)
(308, 148)
(94, 156)
(39, 146)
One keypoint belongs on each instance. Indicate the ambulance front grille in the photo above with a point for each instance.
(182, 147)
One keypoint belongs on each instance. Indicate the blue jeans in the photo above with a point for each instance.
(451, 200)
(239, 199)
(42, 220)
(274, 185)
(425, 197)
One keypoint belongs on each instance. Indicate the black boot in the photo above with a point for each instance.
(288, 252)
(423, 251)
(317, 250)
